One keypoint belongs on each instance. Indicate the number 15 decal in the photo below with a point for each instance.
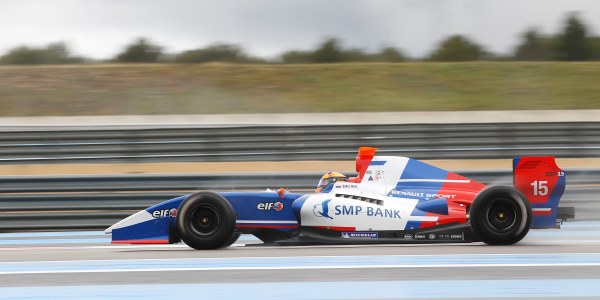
(540, 188)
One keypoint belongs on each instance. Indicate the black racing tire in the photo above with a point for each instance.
(206, 220)
(231, 240)
(500, 215)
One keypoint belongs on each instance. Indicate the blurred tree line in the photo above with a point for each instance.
(56, 53)
(573, 43)
(331, 51)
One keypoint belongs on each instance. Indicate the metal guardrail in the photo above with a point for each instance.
(96, 202)
(268, 143)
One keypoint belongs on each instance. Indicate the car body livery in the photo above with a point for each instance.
(392, 200)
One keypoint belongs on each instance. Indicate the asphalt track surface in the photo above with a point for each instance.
(557, 264)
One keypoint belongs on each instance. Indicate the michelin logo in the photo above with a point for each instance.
(322, 210)
(360, 235)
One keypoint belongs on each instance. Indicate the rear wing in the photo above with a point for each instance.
(543, 183)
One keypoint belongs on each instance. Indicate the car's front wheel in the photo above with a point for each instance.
(206, 220)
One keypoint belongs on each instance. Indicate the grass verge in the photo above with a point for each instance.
(228, 88)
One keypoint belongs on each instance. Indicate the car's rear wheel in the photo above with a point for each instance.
(500, 215)
(206, 220)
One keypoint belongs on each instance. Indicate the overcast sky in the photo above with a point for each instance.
(101, 28)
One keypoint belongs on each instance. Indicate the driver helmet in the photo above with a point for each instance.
(329, 179)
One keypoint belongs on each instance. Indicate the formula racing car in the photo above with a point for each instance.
(391, 200)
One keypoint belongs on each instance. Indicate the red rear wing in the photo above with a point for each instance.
(543, 183)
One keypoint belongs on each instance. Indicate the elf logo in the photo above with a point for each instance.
(161, 213)
(277, 206)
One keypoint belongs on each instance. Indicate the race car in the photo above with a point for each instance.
(391, 200)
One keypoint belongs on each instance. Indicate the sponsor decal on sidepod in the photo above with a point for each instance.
(322, 210)
(161, 213)
(277, 206)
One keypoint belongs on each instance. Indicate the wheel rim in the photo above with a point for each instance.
(501, 215)
(205, 220)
